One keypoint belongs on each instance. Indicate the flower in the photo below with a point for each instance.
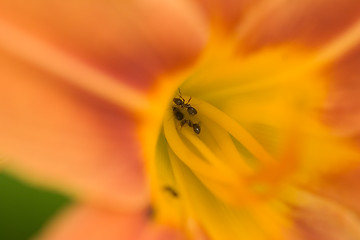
(268, 80)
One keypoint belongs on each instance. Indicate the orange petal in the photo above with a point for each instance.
(68, 138)
(133, 40)
(316, 218)
(343, 105)
(158, 232)
(342, 187)
(90, 223)
(308, 22)
(228, 11)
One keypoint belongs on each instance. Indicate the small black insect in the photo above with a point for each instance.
(196, 128)
(180, 101)
(171, 191)
(186, 121)
(178, 114)
(191, 110)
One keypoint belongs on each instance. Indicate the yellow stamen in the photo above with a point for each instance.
(198, 165)
(230, 153)
(234, 128)
(206, 152)
(168, 209)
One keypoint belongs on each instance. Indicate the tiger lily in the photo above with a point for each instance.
(89, 108)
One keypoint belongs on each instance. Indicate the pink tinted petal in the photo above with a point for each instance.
(90, 223)
(343, 104)
(308, 22)
(319, 219)
(133, 40)
(59, 136)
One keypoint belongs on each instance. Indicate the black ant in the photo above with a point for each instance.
(180, 101)
(178, 114)
(186, 121)
(195, 126)
(171, 191)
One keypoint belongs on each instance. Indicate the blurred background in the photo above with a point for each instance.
(25, 209)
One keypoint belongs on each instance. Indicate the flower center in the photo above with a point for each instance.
(226, 158)
(231, 139)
